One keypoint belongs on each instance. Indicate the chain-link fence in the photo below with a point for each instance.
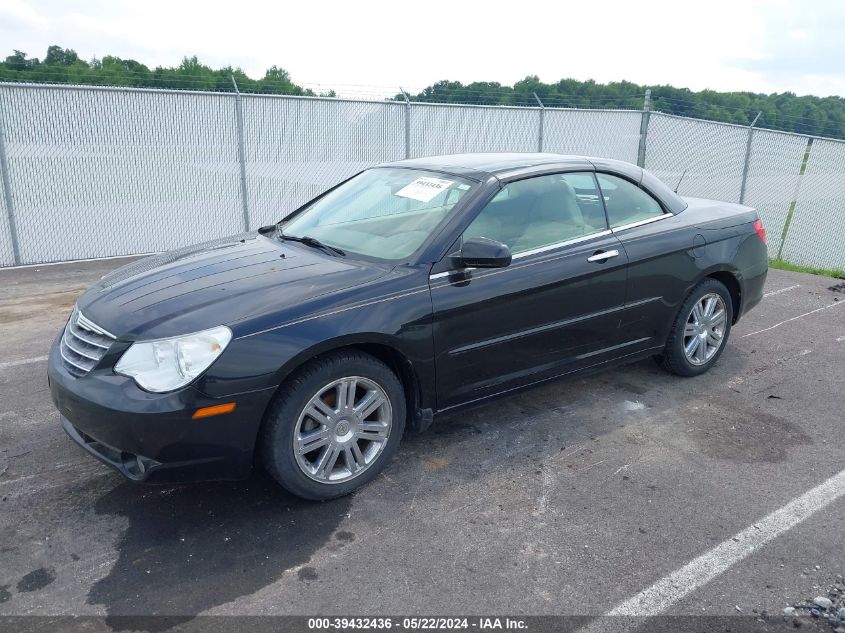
(816, 231)
(95, 172)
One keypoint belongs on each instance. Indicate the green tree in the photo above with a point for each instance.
(785, 111)
(63, 65)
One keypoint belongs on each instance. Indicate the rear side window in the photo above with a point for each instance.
(625, 202)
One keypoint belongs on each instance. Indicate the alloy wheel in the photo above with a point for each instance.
(342, 430)
(704, 332)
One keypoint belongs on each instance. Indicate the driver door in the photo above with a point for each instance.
(554, 309)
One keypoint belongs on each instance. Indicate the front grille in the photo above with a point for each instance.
(83, 344)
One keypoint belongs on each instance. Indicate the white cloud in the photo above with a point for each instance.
(20, 12)
(371, 47)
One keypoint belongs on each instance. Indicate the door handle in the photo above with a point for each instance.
(600, 256)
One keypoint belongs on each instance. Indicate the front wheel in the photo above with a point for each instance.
(333, 426)
(700, 331)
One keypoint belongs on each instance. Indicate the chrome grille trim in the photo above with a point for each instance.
(69, 362)
(92, 355)
(81, 334)
(83, 344)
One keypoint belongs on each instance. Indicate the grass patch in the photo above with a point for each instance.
(827, 272)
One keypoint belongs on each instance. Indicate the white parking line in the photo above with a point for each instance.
(840, 339)
(777, 292)
(23, 361)
(800, 316)
(674, 587)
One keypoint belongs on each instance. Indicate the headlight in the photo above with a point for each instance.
(170, 363)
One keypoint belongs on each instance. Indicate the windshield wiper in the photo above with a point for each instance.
(313, 242)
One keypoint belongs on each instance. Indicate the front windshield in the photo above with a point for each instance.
(386, 213)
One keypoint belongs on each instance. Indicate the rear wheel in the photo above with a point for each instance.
(334, 426)
(700, 330)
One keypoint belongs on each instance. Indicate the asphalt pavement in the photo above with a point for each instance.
(577, 498)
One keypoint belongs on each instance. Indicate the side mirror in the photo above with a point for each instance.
(482, 252)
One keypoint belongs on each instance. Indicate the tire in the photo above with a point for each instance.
(319, 447)
(675, 357)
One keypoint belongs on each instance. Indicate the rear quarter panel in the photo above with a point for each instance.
(669, 257)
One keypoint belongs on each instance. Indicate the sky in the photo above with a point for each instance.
(369, 48)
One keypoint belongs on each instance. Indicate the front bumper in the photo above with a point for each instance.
(151, 437)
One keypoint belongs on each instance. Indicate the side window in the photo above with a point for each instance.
(541, 211)
(625, 202)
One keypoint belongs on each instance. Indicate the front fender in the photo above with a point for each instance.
(266, 358)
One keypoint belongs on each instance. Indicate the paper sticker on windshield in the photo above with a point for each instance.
(424, 188)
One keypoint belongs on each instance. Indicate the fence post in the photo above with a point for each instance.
(795, 194)
(7, 195)
(541, 134)
(407, 123)
(644, 129)
(747, 163)
(239, 118)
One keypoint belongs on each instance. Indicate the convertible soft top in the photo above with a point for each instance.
(514, 164)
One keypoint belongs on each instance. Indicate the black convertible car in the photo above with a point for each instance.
(410, 289)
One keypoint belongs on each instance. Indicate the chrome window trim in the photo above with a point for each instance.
(450, 272)
(550, 247)
(666, 214)
(533, 251)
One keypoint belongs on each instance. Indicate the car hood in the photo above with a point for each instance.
(216, 283)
